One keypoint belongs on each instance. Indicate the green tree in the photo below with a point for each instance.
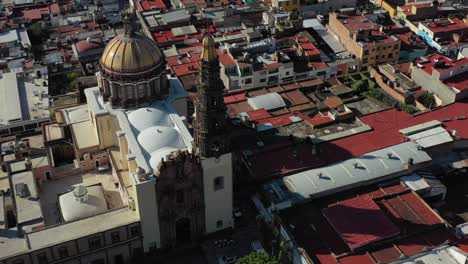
(71, 81)
(457, 15)
(37, 33)
(428, 100)
(257, 258)
(359, 87)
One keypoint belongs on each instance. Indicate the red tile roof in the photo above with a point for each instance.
(147, 5)
(185, 69)
(459, 81)
(412, 245)
(225, 59)
(357, 259)
(319, 119)
(323, 239)
(36, 13)
(428, 65)
(386, 255)
(447, 25)
(385, 125)
(258, 114)
(84, 45)
(359, 221)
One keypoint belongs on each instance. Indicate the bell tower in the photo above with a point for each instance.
(211, 135)
(211, 121)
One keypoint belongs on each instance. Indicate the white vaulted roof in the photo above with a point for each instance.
(267, 101)
(145, 117)
(160, 154)
(157, 137)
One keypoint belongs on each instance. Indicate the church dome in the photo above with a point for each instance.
(131, 53)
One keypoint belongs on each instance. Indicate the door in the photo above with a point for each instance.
(183, 231)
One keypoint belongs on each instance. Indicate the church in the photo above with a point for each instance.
(178, 181)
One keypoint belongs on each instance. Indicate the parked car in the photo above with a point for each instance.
(257, 247)
(227, 260)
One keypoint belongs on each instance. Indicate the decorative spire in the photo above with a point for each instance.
(129, 26)
(208, 53)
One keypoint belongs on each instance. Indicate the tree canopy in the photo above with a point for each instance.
(257, 258)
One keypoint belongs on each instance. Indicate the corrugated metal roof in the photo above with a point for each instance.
(444, 254)
(432, 137)
(356, 171)
(420, 127)
(10, 103)
(267, 101)
(414, 182)
(185, 30)
(334, 44)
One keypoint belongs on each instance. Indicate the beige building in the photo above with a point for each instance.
(366, 40)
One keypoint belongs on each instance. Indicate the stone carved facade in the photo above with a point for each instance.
(180, 197)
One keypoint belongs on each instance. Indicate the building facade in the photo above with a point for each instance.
(366, 40)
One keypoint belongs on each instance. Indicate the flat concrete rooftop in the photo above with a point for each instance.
(50, 191)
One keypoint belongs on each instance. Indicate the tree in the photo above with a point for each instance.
(460, 16)
(38, 33)
(257, 258)
(359, 87)
(428, 100)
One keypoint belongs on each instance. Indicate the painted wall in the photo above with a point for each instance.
(218, 203)
(147, 208)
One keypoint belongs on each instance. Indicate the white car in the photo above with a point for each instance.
(257, 247)
(226, 259)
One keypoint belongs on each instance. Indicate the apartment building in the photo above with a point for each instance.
(448, 36)
(366, 40)
(446, 78)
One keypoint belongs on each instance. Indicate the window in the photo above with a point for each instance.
(245, 71)
(115, 236)
(180, 196)
(135, 231)
(395, 46)
(218, 183)
(263, 80)
(94, 243)
(287, 73)
(42, 258)
(63, 252)
(275, 70)
(219, 224)
(153, 246)
(383, 56)
(364, 60)
(213, 101)
(366, 52)
(248, 81)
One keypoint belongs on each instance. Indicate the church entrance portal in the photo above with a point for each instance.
(183, 231)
